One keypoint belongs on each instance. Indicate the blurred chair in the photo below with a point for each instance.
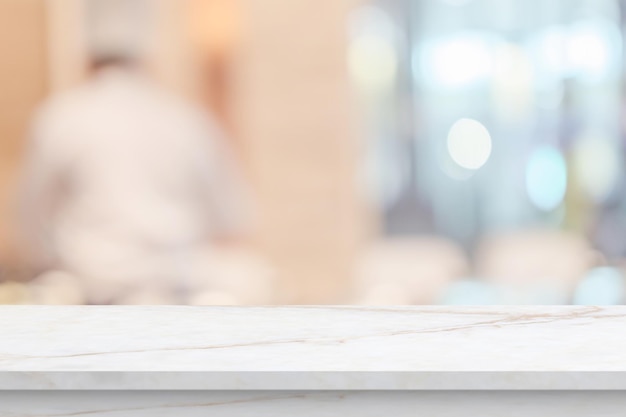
(405, 271)
(534, 267)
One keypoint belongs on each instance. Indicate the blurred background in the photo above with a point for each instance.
(394, 151)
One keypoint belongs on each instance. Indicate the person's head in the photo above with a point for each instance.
(117, 33)
(101, 62)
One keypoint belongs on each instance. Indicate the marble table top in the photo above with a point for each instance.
(312, 348)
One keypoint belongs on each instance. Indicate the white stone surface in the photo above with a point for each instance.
(312, 348)
(312, 404)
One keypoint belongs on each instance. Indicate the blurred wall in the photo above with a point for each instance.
(296, 119)
(22, 85)
(66, 43)
(291, 104)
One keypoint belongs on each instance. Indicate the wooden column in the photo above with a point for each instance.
(23, 79)
(294, 105)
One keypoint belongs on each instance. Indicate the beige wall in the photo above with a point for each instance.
(293, 122)
(22, 85)
(294, 109)
(65, 40)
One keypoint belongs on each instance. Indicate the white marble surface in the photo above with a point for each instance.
(312, 348)
(312, 404)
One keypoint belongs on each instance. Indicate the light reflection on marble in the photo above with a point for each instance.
(312, 348)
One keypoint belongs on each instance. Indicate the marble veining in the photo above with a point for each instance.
(312, 348)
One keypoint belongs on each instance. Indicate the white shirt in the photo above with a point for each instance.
(123, 176)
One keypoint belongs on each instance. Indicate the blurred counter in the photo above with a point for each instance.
(311, 360)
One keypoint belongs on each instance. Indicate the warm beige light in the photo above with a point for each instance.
(215, 25)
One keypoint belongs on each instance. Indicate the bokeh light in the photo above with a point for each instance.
(589, 50)
(458, 61)
(546, 178)
(372, 54)
(593, 48)
(488, 136)
(469, 144)
(597, 165)
(550, 50)
(512, 82)
(601, 286)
